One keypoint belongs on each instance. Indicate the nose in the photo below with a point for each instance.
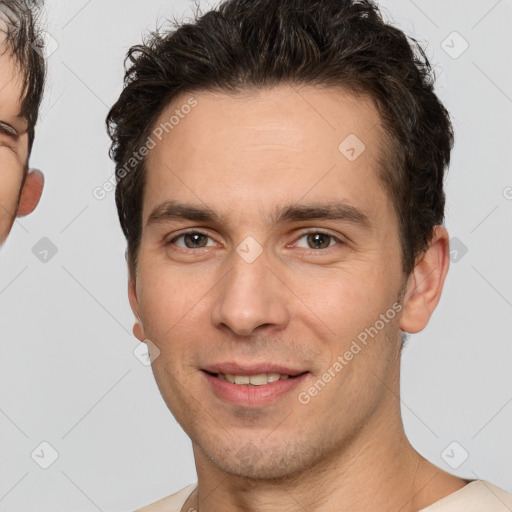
(251, 299)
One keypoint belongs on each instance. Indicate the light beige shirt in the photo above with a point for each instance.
(477, 496)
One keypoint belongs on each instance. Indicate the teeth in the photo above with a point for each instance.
(253, 380)
(258, 380)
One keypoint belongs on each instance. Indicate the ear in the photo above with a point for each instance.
(31, 192)
(138, 328)
(425, 284)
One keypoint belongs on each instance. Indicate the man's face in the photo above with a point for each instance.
(14, 149)
(298, 255)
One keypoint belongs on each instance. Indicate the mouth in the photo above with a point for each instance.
(259, 379)
(252, 387)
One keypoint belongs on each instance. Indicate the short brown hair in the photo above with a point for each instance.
(245, 44)
(22, 37)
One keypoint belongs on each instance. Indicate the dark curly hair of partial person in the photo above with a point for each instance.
(22, 37)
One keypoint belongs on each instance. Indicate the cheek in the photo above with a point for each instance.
(10, 185)
(11, 176)
(171, 303)
(172, 310)
(346, 301)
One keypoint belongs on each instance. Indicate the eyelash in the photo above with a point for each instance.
(302, 235)
(185, 233)
(8, 129)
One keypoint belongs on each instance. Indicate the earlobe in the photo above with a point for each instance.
(138, 328)
(31, 192)
(425, 284)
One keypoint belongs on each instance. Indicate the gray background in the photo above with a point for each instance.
(68, 375)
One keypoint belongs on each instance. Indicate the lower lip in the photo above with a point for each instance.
(252, 396)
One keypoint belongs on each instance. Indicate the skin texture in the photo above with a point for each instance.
(20, 190)
(244, 157)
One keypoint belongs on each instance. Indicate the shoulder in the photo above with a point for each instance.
(172, 503)
(477, 496)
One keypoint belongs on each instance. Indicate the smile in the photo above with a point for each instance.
(253, 388)
(252, 380)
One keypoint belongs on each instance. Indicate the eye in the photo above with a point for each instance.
(192, 240)
(8, 129)
(316, 240)
(8, 136)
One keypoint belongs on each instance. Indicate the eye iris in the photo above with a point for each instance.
(319, 240)
(195, 240)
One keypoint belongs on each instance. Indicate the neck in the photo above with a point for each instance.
(377, 470)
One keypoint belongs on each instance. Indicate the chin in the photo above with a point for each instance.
(258, 471)
(262, 463)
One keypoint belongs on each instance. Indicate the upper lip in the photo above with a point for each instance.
(251, 369)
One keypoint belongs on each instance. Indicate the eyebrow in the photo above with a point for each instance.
(339, 211)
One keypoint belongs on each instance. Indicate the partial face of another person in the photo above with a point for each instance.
(265, 253)
(19, 190)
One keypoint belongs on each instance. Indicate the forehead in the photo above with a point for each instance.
(10, 83)
(265, 147)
